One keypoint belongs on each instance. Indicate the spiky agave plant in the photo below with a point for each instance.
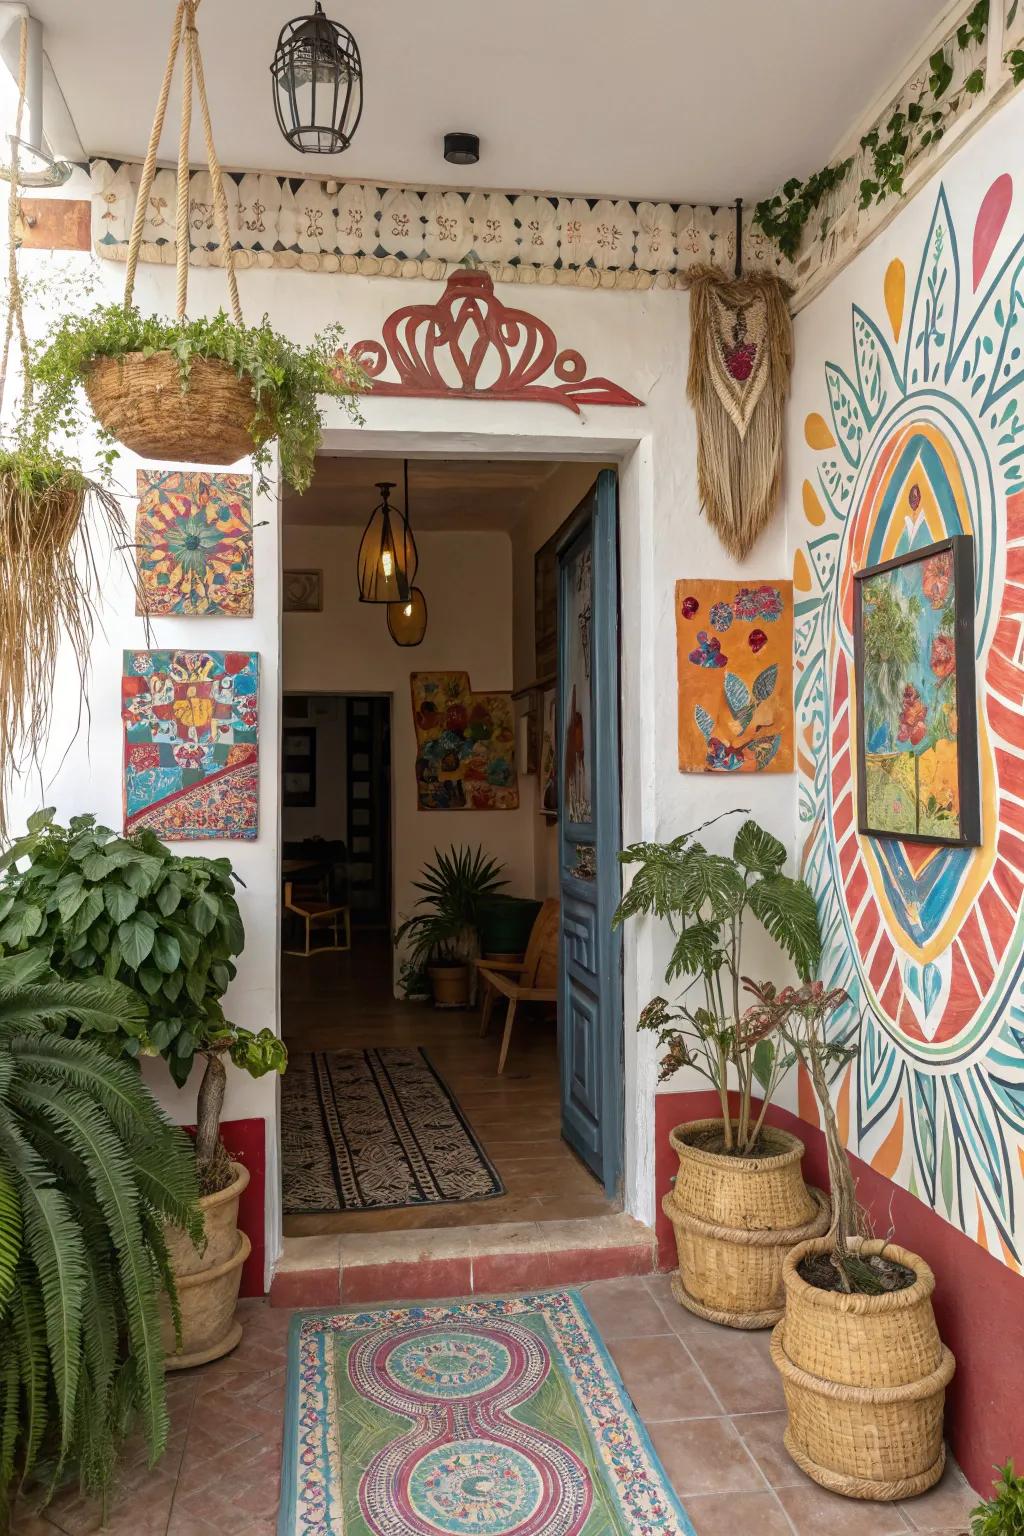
(89, 1173)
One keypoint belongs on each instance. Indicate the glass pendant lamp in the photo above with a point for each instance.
(387, 558)
(407, 622)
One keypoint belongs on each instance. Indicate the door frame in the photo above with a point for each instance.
(631, 450)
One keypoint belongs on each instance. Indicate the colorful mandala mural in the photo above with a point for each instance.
(925, 439)
(193, 543)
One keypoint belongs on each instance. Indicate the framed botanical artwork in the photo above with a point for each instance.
(917, 731)
(303, 591)
(734, 648)
(298, 764)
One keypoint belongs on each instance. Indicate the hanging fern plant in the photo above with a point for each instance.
(89, 1173)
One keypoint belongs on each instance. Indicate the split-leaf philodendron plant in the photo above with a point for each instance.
(706, 898)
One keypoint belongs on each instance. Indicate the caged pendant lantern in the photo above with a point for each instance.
(387, 559)
(318, 84)
(407, 622)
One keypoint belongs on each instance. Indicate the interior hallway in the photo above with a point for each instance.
(344, 1001)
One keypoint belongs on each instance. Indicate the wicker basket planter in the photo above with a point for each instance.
(208, 1282)
(140, 400)
(735, 1219)
(865, 1379)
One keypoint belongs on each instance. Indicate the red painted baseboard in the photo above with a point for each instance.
(246, 1142)
(979, 1302)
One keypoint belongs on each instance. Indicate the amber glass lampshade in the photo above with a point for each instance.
(407, 622)
(387, 554)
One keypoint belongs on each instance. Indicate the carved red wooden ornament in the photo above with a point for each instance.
(470, 333)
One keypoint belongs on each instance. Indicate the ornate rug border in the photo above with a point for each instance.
(312, 1412)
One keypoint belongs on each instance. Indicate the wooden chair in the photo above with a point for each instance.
(534, 979)
(313, 912)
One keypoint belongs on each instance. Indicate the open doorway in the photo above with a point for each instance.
(395, 1113)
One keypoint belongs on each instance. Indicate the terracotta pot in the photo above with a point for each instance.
(735, 1219)
(208, 1280)
(450, 985)
(865, 1379)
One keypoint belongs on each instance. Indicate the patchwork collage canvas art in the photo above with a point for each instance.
(191, 722)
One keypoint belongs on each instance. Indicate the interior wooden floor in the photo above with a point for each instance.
(344, 1002)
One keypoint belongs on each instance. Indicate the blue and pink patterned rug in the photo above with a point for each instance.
(503, 1417)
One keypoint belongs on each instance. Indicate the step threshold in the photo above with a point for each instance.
(357, 1268)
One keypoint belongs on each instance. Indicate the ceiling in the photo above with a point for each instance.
(686, 100)
(481, 494)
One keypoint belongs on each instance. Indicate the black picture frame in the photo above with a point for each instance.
(961, 546)
(298, 768)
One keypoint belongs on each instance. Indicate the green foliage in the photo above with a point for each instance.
(128, 909)
(453, 888)
(784, 216)
(1003, 1513)
(35, 469)
(287, 380)
(90, 1172)
(705, 897)
(1015, 63)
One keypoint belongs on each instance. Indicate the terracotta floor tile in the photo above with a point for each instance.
(946, 1507)
(705, 1456)
(623, 1308)
(737, 1514)
(813, 1511)
(661, 1379)
(742, 1377)
(762, 1434)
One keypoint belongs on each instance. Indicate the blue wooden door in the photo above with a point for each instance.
(590, 981)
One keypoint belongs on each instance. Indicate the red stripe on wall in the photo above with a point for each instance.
(246, 1143)
(979, 1301)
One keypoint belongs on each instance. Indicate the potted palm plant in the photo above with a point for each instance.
(92, 1179)
(93, 903)
(863, 1367)
(739, 1202)
(444, 937)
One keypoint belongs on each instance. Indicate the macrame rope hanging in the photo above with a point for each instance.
(184, 38)
(741, 354)
(15, 315)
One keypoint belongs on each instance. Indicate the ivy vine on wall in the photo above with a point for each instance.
(888, 147)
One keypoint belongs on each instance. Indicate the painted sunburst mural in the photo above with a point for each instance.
(922, 436)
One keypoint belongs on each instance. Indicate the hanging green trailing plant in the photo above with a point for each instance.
(127, 908)
(286, 381)
(90, 1172)
(889, 147)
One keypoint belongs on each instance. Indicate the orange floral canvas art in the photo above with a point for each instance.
(735, 666)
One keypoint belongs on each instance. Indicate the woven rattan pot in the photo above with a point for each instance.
(208, 1281)
(865, 1379)
(141, 402)
(735, 1219)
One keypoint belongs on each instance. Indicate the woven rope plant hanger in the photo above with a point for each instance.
(51, 516)
(216, 419)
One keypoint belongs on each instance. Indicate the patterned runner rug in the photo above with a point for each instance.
(375, 1130)
(497, 1418)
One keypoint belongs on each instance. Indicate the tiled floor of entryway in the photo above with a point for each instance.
(709, 1396)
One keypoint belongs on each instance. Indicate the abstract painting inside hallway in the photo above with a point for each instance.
(923, 437)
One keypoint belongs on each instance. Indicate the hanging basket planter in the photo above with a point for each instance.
(211, 418)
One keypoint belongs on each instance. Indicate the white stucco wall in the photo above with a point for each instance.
(639, 340)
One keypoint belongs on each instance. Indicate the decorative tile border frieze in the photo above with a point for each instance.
(356, 227)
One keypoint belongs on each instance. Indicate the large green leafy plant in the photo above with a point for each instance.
(129, 909)
(453, 888)
(706, 899)
(287, 380)
(90, 1171)
(1003, 1513)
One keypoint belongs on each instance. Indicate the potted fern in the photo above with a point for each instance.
(863, 1367)
(739, 1202)
(444, 937)
(92, 1178)
(93, 903)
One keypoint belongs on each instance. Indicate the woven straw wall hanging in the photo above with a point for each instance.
(741, 353)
